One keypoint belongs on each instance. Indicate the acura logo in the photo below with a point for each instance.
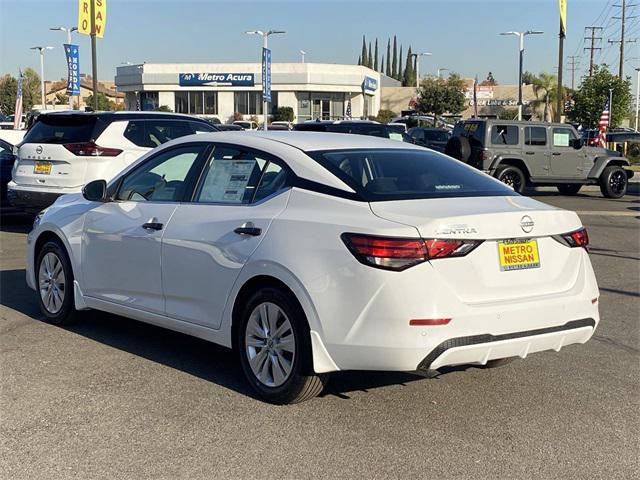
(526, 224)
(39, 149)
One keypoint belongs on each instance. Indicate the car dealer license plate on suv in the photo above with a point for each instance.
(43, 168)
(518, 254)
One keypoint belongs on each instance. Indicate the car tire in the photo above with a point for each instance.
(569, 188)
(54, 284)
(458, 148)
(614, 182)
(274, 345)
(512, 176)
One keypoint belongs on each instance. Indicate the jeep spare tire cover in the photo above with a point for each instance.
(459, 148)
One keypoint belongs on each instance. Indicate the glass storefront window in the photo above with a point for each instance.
(148, 100)
(196, 103)
(182, 102)
(250, 103)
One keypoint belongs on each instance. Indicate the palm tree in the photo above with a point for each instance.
(545, 88)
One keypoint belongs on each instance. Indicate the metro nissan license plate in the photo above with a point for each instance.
(518, 254)
(43, 168)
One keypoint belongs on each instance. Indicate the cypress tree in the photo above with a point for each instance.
(370, 57)
(400, 69)
(363, 55)
(388, 70)
(394, 63)
(382, 64)
(359, 60)
(375, 58)
(409, 75)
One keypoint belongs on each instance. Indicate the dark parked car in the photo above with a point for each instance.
(433, 138)
(226, 127)
(356, 127)
(6, 164)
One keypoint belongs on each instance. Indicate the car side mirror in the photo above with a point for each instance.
(95, 191)
(577, 143)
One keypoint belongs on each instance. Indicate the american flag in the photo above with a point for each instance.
(602, 126)
(18, 110)
(348, 112)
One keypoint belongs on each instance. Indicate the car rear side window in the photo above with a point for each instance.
(505, 134)
(152, 133)
(535, 136)
(63, 129)
(397, 174)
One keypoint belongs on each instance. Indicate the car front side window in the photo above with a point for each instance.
(162, 178)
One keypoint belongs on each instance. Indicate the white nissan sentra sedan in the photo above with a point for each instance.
(310, 253)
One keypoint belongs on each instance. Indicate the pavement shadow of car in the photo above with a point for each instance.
(191, 355)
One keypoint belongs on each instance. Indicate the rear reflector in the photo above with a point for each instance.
(428, 322)
(594, 301)
(401, 253)
(578, 238)
(90, 149)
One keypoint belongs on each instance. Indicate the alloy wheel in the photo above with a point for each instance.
(512, 179)
(51, 282)
(270, 344)
(618, 181)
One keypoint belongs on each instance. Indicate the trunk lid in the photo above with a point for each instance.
(49, 165)
(480, 277)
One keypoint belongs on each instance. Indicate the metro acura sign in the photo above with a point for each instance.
(217, 79)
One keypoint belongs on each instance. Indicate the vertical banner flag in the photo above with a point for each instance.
(18, 111)
(73, 69)
(266, 75)
(563, 16)
(84, 16)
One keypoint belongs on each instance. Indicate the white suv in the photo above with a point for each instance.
(65, 150)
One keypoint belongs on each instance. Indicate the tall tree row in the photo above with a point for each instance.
(392, 64)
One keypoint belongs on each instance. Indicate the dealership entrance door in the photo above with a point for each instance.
(322, 108)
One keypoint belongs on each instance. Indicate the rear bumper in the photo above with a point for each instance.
(34, 199)
(479, 349)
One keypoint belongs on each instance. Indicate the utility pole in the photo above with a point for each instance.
(560, 95)
(573, 64)
(593, 47)
(623, 18)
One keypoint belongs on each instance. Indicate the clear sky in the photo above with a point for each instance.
(461, 34)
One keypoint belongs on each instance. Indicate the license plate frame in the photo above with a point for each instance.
(518, 254)
(42, 168)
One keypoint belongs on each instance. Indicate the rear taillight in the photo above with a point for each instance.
(578, 238)
(90, 149)
(402, 253)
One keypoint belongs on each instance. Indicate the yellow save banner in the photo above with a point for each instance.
(84, 16)
(563, 15)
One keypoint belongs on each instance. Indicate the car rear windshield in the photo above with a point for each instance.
(62, 129)
(399, 174)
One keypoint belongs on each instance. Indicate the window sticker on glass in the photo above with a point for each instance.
(227, 181)
(560, 139)
(395, 136)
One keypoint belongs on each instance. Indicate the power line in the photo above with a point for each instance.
(573, 64)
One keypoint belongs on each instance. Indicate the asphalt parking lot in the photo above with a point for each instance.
(114, 398)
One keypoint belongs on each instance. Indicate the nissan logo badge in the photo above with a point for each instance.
(526, 224)
(39, 149)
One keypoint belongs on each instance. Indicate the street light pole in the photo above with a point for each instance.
(265, 45)
(521, 36)
(637, 95)
(417, 56)
(42, 50)
(303, 53)
(68, 30)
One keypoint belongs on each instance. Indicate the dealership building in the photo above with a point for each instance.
(313, 90)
